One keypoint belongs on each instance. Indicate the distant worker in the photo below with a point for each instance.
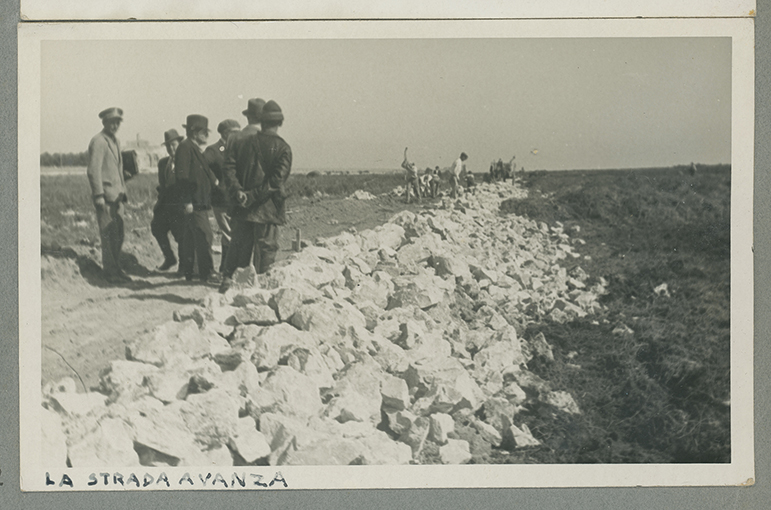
(470, 182)
(692, 170)
(425, 182)
(458, 168)
(108, 191)
(215, 156)
(167, 215)
(411, 178)
(509, 168)
(259, 194)
(436, 177)
(195, 181)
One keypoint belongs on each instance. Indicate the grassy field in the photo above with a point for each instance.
(662, 393)
(68, 215)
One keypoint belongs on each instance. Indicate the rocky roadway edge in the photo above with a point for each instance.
(380, 347)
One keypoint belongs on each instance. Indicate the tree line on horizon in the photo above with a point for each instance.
(64, 159)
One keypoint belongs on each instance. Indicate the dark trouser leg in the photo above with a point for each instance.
(160, 227)
(202, 239)
(110, 220)
(266, 246)
(187, 246)
(241, 246)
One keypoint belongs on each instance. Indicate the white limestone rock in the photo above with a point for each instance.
(456, 451)
(53, 442)
(441, 425)
(109, 444)
(394, 393)
(249, 442)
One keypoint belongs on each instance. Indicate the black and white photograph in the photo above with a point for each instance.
(406, 254)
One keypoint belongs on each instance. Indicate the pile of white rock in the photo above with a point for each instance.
(361, 349)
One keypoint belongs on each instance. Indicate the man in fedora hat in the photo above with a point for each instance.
(194, 183)
(259, 194)
(238, 150)
(167, 216)
(239, 161)
(215, 156)
(108, 191)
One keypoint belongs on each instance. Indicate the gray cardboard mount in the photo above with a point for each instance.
(149, 10)
(756, 496)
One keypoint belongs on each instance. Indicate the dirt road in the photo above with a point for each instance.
(86, 322)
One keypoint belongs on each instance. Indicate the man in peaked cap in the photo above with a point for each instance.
(260, 198)
(167, 216)
(194, 183)
(215, 156)
(108, 191)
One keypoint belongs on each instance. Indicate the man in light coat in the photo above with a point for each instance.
(108, 191)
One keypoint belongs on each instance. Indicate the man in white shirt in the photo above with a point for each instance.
(458, 168)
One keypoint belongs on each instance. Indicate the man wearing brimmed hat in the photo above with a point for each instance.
(215, 156)
(167, 216)
(194, 183)
(238, 150)
(239, 159)
(108, 190)
(259, 194)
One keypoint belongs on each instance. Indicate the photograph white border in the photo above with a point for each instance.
(739, 471)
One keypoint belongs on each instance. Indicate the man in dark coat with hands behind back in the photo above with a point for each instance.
(259, 192)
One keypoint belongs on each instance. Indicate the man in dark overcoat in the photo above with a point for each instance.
(240, 159)
(167, 214)
(194, 186)
(259, 193)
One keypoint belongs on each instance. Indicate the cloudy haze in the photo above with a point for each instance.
(355, 104)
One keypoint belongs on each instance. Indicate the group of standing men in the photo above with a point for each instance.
(241, 178)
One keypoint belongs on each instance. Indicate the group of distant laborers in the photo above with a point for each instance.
(241, 178)
(500, 171)
(427, 185)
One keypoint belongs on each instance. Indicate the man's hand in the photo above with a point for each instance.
(241, 197)
(99, 202)
(188, 208)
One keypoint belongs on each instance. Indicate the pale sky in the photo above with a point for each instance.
(355, 104)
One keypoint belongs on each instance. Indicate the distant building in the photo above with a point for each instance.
(147, 154)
